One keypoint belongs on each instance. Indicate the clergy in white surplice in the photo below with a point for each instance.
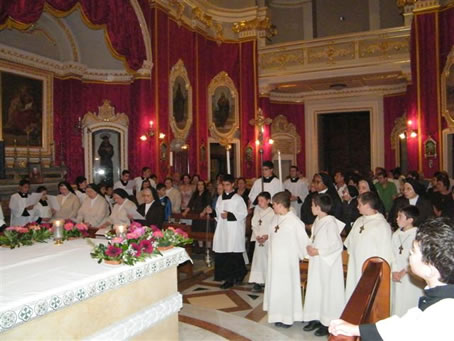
(125, 183)
(298, 190)
(68, 202)
(22, 211)
(324, 300)
(370, 236)
(229, 241)
(287, 246)
(94, 209)
(267, 183)
(138, 181)
(261, 230)
(406, 288)
(43, 210)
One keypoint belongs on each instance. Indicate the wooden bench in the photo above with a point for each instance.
(370, 302)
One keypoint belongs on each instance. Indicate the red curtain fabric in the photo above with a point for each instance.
(126, 39)
(393, 107)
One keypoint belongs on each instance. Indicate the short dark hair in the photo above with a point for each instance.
(411, 212)
(268, 164)
(382, 173)
(80, 179)
(229, 178)
(413, 174)
(436, 241)
(282, 198)
(24, 182)
(125, 172)
(340, 172)
(144, 169)
(41, 189)
(324, 201)
(370, 198)
(294, 167)
(265, 195)
(160, 186)
(444, 180)
(168, 178)
(153, 176)
(95, 187)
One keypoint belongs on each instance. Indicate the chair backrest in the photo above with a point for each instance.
(370, 302)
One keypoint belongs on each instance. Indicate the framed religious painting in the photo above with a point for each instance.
(26, 110)
(223, 108)
(180, 101)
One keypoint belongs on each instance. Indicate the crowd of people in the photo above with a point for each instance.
(376, 215)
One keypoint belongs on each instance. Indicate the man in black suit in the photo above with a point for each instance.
(151, 209)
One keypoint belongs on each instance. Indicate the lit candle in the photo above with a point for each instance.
(280, 165)
(227, 151)
(58, 231)
(120, 230)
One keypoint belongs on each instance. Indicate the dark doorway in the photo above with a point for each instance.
(218, 160)
(344, 141)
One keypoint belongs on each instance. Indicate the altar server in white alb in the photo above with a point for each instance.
(261, 230)
(21, 214)
(297, 188)
(406, 288)
(125, 183)
(94, 209)
(287, 246)
(267, 183)
(370, 237)
(43, 211)
(432, 259)
(229, 237)
(325, 294)
(138, 181)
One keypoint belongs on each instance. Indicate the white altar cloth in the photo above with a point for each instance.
(42, 278)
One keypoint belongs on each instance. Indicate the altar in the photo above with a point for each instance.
(60, 292)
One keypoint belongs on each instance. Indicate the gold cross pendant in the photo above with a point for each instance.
(400, 249)
(276, 228)
(361, 229)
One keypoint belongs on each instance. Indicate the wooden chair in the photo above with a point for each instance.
(370, 302)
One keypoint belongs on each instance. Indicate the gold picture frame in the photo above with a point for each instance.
(29, 82)
(447, 90)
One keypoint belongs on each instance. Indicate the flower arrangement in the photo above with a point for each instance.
(16, 236)
(139, 243)
(72, 231)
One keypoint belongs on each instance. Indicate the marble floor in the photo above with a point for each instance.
(210, 313)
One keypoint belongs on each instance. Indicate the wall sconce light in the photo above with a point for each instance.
(162, 136)
(270, 141)
(185, 146)
(409, 133)
(149, 133)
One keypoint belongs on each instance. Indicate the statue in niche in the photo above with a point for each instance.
(180, 102)
(106, 151)
(222, 111)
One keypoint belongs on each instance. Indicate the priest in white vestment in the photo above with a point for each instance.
(324, 300)
(68, 201)
(406, 288)
(94, 209)
(261, 230)
(297, 188)
(229, 238)
(21, 212)
(287, 246)
(125, 183)
(431, 259)
(267, 183)
(370, 237)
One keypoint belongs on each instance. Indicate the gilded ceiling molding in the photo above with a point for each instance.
(70, 37)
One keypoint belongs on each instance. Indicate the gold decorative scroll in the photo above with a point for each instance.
(286, 138)
(400, 126)
(447, 90)
(105, 114)
(254, 24)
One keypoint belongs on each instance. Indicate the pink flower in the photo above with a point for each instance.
(113, 251)
(137, 248)
(181, 233)
(134, 225)
(117, 240)
(146, 246)
(140, 231)
(11, 228)
(34, 227)
(158, 234)
(46, 226)
(132, 235)
(154, 228)
(82, 227)
(68, 226)
(22, 229)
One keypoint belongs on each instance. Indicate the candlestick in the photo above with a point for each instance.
(120, 230)
(58, 231)
(227, 151)
(280, 165)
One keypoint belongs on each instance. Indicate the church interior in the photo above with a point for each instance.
(129, 98)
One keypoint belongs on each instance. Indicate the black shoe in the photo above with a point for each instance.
(322, 331)
(312, 325)
(257, 288)
(282, 325)
(226, 285)
(238, 281)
